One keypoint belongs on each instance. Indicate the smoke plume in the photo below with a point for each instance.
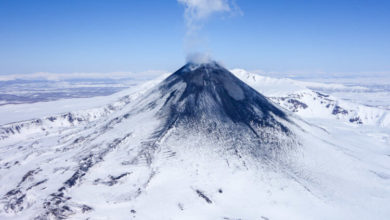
(196, 14)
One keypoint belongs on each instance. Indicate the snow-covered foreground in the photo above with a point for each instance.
(198, 145)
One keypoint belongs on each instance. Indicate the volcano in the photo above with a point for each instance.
(199, 144)
(207, 98)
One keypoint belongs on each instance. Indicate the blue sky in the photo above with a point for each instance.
(109, 36)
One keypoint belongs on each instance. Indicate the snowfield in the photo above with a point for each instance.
(202, 143)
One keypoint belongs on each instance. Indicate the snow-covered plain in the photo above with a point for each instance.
(116, 157)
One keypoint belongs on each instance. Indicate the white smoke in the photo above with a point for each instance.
(196, 13)
(198, 58)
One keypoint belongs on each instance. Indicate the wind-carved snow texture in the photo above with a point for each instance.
(193, 146)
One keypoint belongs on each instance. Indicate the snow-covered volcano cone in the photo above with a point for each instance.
(210, 100)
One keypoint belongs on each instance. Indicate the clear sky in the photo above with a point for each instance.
(136, 35)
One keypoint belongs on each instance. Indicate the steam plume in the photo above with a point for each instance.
(196, 13)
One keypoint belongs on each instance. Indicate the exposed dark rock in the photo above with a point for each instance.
(29, 174)
(37, 184)
(52, 118)
(338, 110)
(356, 120)
(297, 104)
(203, 196)
(85, 208)
(112, 180)
(322, 95)
(78, 140)
(13, 201)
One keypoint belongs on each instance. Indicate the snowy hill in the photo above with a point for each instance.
(199, 144)
(296, 96)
